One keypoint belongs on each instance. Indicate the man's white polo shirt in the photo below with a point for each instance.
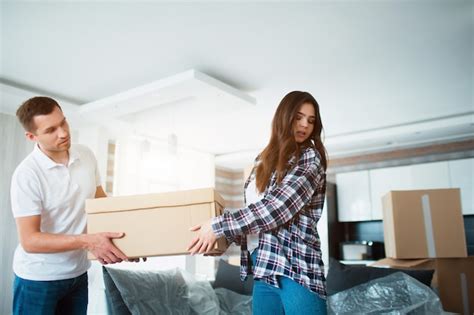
(57, 192)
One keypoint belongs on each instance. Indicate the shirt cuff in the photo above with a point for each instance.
(216, 224)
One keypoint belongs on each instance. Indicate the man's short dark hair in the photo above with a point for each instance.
(35, 106)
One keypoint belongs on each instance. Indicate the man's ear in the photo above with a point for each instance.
(30, 136)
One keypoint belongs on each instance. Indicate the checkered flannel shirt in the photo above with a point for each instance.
(285, 220)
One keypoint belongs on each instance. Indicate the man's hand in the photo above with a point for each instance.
(205, 239)
(34, 241)
(101, 246)
(100, 193)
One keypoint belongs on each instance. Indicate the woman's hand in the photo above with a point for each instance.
(205, 239)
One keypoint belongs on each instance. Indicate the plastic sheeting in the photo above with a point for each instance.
(203, 299)
(146, 292)
(169, 292)
(232, 303)
(395, 294)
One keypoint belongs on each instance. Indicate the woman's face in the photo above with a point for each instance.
(304, 122)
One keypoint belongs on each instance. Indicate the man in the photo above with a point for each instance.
(48, 193)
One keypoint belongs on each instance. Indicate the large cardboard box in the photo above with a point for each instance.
(413, 264)
(423, 224)
(456, 284)
(155, 224)
(453, 279)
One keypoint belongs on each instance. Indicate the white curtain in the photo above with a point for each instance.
(13, 149)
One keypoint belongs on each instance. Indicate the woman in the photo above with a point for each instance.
(277, 228)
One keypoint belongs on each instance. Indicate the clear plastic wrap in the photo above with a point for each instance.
(169, 292)
(232, 303)
(201, 296)
(204, 300)
(147, 292)
(395, 294)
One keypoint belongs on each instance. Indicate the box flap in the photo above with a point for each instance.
(424, 190)
(147, 201)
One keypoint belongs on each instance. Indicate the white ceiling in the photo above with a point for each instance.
(386, 73)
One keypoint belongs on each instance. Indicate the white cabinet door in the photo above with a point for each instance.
(353, 196)
(359, 194)
(384, 180)
(462, 176)
(430, 176)
(412, 177)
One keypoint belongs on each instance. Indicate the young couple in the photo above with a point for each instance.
(276, 230)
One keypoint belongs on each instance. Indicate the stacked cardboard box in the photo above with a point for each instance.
(424, 229)
(155, 224)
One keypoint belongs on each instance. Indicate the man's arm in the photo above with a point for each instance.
(34, 241)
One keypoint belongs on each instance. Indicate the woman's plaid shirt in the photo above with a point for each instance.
(285, 220)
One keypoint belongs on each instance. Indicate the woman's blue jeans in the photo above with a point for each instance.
(290, 299)
(68, 296)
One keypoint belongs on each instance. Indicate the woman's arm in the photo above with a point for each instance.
(279, 206)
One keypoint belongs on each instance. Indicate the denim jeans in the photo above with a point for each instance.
(290, 299)
(68, 296)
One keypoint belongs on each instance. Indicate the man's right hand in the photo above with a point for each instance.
(101, 246)
(34, 241)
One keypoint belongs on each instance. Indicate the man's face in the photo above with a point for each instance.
(52, 131)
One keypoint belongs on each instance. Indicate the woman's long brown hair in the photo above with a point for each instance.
(283, 146)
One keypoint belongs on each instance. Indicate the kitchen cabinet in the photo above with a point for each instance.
(418, 176)
(353, 187)
(462, 176)
(353, 196)
(430, 176)
(382, 181)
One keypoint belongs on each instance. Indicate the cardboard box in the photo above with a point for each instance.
(453, 279)
(413, 264)
(456, 284)
(155, 224)
(423, 224)
(420, 264)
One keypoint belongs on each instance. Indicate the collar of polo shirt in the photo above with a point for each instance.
(46, 162)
